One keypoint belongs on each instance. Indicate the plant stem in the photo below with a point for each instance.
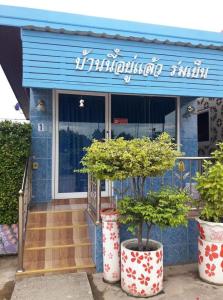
(140, 244)
(142, 186)
(134, 187)
(149, 226)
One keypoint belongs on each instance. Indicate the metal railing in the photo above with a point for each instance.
(94, 198)
(25, 194)
(181, 177)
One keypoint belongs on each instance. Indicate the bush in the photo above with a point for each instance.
(210, 187)
(15, 140)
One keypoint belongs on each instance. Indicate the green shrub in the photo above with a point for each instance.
(210, 187)
(167, 207)
(15, 140)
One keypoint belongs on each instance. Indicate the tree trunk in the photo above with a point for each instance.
(140, 244)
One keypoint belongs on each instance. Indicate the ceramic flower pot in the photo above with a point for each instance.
(210, 231)
(210, 261)
(111, 245)
(141, 271)
(8, 239)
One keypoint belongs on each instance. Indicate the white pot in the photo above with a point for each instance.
(111, 246)
(210, 231)
(210, 261)
(141, 271)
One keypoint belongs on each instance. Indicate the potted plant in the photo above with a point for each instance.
(142, 259)
(210, 221)
(137, 159)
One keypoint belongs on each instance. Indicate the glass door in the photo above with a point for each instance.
(81, 118)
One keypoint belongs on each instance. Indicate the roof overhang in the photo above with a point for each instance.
(11, 62)
(12, 19)
(74, 23)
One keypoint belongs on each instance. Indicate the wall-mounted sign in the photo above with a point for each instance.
(120, 121)
(114, 63)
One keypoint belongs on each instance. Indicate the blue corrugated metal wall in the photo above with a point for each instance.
(49, 62)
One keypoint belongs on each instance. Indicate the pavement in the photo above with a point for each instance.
(73, 286)
(180, 283)
(8, 266)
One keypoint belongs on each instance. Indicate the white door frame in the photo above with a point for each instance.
(55, 144)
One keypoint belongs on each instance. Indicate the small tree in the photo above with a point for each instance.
(138, 159)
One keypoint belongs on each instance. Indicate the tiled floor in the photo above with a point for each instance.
(57, 240)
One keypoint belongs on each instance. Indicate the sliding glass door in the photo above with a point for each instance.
(81, 118)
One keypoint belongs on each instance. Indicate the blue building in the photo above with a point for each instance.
(78, 78)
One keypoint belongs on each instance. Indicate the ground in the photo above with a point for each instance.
(8, 265)
(180, 283)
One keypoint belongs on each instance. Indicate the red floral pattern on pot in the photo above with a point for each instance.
(200, 257)
(159, 255)
(111, 246)
(210, 262)
(147, 267)
(132, 289)
(142, 271)
(136, 256)
(201, 231)
(147, 256)
(131, 273)
(211, 252)
(144, 279)
(155, 288)
(124, 256)
(210, 231)
(210, 269)
(159, 272)
(107, 267)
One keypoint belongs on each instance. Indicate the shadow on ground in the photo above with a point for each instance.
(8, 266)
(6, 290)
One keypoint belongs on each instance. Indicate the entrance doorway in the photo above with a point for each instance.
(82, 117)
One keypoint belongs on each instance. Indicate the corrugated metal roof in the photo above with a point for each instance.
(149, 39)
(85, 25)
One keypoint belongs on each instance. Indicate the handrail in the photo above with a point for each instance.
(94, 198)
(24, 176)
(24, 199)
(194, 157)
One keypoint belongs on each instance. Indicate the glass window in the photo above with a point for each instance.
(138, 116)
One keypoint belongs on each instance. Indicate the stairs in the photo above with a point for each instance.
(57, 241)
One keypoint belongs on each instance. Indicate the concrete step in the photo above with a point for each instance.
(63, 286)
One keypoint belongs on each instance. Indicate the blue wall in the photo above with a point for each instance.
(180, 244)
(41, 145)
(42, 141)
(49, 61)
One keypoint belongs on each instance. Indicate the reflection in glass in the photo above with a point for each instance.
(78, 126)
(138, 116)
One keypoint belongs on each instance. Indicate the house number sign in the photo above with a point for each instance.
(113, 63)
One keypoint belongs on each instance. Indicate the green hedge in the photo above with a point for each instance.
(15, 141)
